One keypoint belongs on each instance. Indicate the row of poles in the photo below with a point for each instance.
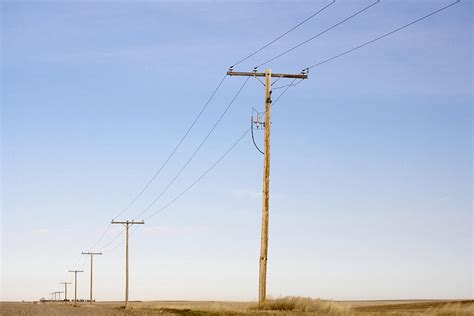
(267, 124)
(265, 203)
(127, 224)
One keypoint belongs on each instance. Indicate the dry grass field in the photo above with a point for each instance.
(283, 306)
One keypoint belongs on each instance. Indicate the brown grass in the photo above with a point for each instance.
(293, 306)
(453, 309)
(303, 304)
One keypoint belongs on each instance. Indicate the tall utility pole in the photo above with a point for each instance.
(65, 289)
(262, 284)
(127, 224)
(92, 254)
(75, 285)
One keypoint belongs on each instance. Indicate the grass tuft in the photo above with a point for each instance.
(303, 304)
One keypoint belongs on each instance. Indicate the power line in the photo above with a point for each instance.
(169, 157)
(112, 240)
(200, 177)
(195, 151)
(117, 245)
(234, 144)
(237, 141)
(319, 34)
(163, 165)
(282, 35)
(192, 125)
(309, 67)
(175, 148)
(180, 195)
(101, 237)
(121, 242)
(186, 134)
(246, 132)
(184, 166)
(382, 36)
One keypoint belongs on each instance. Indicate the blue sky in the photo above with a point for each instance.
(371, 181)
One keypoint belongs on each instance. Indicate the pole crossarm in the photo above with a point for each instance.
(262, 74)
(132, 222)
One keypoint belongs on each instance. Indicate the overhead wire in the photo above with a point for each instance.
(199, 115)
(284, 34)
(246, 132)
(163, 165)
(290, 84)
(117, 245)
(382, 36)
(293, 84)
(237, 141)
(175, 148)
(112, 240)
(101, 237)
(307, 68)
(204, 174)
(319, 34)
(195, 151)
(234, 144)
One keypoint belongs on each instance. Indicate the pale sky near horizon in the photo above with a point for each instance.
(371, 181)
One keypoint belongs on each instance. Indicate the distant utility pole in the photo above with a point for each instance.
(127, 224)
(65, 289)
(262, 288)
(59, 294)
(92, 254)
(75, 285)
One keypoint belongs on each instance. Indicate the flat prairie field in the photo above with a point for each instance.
(401, 307)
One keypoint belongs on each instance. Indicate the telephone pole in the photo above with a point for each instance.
(59, 294)
(127, 224)
(262, 284)
(65, 290)
(92, 254)
(75, 285)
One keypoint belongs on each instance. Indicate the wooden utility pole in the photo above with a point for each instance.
(127, 224)
(75, 285)
(92, 254)
(65, 290)
(262, 288)
(262, 284)
(59, 294)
